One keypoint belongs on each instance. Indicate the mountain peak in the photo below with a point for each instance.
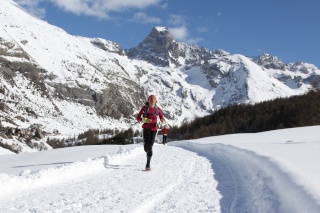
(159, 48)
(161, 29)
(160, 38)
(156, 47)
(270, 62)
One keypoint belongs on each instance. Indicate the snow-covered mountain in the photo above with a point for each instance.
(72, 84)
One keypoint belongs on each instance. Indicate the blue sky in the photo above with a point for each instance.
(288, 29)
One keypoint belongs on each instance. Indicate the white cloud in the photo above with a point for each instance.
(96, 8)
(193, 41)
(164, 6)
(28, 3)
(179, 33)
(101, 8)
(177, 20)
(32, 6)
(144, 18)
(182, 34)
(82, 7)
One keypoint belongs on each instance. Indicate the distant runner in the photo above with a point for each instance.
(165, 131)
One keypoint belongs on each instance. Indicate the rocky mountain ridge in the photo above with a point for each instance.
(72, 84)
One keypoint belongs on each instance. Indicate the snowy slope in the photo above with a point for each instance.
(4, 151)
(274, 171)
(71, 84)
(96, 66)
(244, 81)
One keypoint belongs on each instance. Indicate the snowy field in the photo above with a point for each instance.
(276, 171)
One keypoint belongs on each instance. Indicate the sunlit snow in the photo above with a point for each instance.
(275, 171)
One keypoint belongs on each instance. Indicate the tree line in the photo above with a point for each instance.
(280, 113)
(96, 137)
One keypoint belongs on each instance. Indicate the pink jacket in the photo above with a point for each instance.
(150, 115)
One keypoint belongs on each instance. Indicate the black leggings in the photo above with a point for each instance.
(164, 139)
(148, 137)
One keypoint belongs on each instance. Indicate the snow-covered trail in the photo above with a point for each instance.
(180, 181)
(250, 183)
(185, 177)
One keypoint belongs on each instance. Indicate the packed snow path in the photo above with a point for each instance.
(197, 178)
(180, 181)
(253, 184)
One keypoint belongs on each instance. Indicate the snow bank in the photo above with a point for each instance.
(4, 151)
(28, 180)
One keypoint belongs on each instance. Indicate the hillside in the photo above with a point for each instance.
(53, 82)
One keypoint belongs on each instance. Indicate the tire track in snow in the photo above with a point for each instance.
(251, 183)
(226, 178)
